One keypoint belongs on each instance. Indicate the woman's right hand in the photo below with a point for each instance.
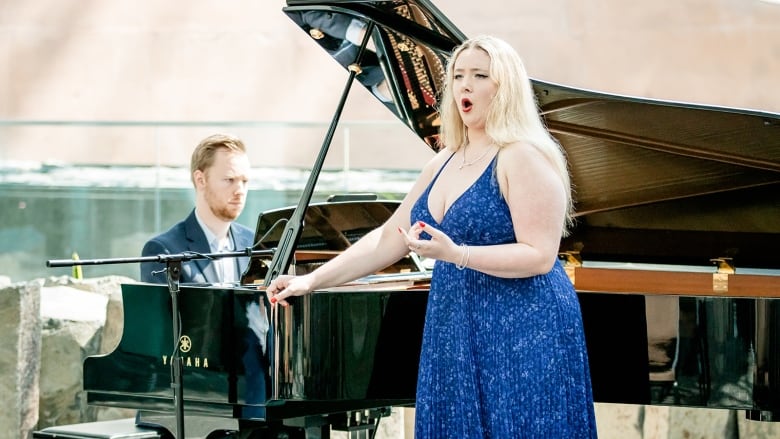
(285, 286)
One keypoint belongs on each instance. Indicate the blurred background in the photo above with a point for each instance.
(101, 103)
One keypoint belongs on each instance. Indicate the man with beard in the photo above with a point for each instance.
(220, 173)
(219, 170)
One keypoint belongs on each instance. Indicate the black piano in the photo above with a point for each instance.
(674, 257)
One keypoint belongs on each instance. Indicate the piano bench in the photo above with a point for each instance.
(118, 429)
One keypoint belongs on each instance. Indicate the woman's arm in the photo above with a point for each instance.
(378, 249)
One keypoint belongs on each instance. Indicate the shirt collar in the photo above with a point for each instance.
(214, 243)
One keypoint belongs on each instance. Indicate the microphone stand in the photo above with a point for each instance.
(173, 275)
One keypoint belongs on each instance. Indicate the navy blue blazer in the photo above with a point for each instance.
(187, 236)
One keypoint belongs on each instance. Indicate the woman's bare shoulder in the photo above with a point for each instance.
(438, 160)
(524, 163)
(521, 155)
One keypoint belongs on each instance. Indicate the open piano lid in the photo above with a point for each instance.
(654, 181)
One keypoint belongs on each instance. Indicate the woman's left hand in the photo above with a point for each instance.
(440, 246)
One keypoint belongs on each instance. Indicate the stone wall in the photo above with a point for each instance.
(79, 318)
(51, 325)
(20, 350)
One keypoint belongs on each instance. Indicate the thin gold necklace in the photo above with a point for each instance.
(463, 163)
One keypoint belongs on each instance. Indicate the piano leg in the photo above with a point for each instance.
(359, 424)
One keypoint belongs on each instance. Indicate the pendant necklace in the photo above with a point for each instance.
(463, 163)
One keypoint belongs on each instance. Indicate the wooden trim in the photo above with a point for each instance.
(315, 255)
(605, 280)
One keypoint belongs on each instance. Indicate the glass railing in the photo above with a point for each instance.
(101, 189)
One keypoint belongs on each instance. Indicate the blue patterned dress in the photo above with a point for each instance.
(501, 358)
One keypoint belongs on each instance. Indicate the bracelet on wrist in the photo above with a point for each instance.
(464, 259)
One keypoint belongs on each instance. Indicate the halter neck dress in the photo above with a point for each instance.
(501, 358)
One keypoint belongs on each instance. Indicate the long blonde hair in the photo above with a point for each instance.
(513, 115)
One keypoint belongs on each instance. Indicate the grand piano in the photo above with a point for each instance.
(674, 258)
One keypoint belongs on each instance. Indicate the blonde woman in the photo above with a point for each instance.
(503, 352)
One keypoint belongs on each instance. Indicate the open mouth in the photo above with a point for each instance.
(466, 105)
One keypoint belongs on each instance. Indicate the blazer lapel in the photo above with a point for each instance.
(197, 243)
(240, 242)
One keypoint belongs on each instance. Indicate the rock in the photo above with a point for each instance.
(81, 317)
(20, 351)
(65, 345)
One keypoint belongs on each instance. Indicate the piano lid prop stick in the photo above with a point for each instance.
(292, 230)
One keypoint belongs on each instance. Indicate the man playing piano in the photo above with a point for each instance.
(503, 353)
(220, 173)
